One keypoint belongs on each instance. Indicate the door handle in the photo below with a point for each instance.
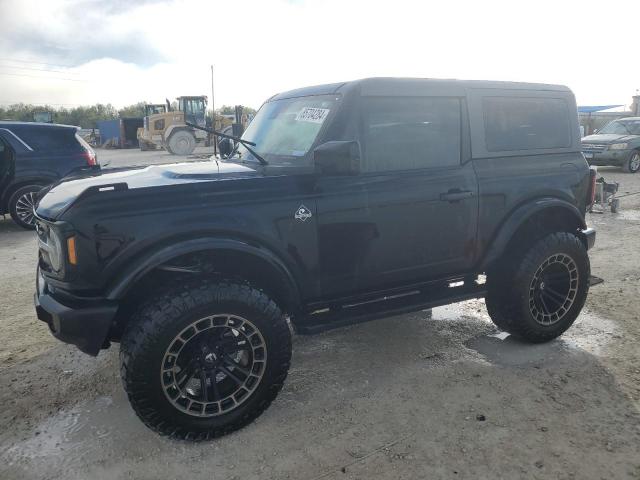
(455, 195)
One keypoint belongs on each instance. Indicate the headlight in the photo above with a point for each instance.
(51, 247)
(619, 146)
(55, 251)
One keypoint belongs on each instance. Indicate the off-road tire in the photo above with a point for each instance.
(16, 205)
(632, 165)
(155, 325)
(509, 288)
(182, 142)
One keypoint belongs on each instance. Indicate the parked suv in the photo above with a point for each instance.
(617, 143)
(33, 155)
(347, 202)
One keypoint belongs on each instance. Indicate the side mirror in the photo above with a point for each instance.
(337, 158)
(226, 147)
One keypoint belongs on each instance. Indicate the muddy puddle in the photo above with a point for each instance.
(62, 441)
(590, 334)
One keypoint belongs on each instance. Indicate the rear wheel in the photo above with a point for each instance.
(539, 296)
(21, 205)
(182, 142)
(203, 360)
(633, 163)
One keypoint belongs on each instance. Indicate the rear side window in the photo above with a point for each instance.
(43, 139)
(513, 123)
(404, 133)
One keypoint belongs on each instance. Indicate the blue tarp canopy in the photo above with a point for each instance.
(596, 108)
(109, 129)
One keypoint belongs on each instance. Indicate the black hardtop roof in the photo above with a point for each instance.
(413, 86)
(11, 123)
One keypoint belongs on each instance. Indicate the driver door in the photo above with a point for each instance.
(411, 214)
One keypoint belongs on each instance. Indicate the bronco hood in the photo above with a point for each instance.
(63, 194)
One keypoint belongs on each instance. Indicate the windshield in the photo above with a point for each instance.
(284, 130)
(622, 127)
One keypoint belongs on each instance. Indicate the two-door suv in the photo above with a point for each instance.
(352, 201)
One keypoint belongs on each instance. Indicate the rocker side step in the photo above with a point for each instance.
(329, 319)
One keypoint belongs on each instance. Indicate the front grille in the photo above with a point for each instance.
(593, 147)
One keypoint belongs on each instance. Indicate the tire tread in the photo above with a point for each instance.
(505, 304)
(153, 314)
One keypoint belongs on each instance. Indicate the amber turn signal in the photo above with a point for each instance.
(71, 250)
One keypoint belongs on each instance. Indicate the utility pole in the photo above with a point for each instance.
(213, 117)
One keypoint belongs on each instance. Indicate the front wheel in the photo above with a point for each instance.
(203, 360)
(633, 163)
(538, 296)
(182, 142)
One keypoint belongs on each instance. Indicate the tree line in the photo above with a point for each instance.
(85, 116)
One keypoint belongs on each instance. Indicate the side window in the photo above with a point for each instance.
(48, 139)
(513, 123)
(404, 133)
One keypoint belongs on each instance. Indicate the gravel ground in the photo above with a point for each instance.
(404, 397)
(134, 157)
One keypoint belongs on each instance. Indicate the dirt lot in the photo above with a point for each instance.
(133, 157)
(404, 397)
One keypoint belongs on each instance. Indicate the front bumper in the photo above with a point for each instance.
(607, 157)
(85, 324)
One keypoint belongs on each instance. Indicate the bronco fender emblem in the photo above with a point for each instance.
(303, 213)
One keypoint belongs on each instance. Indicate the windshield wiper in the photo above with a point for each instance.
(246, 143)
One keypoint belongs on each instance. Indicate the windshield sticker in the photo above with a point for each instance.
(313, 115)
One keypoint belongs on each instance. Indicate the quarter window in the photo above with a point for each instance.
(47, 139)
(405, 133)
(513, 123)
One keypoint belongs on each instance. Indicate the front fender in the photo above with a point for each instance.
(148, 262)
(519, 217)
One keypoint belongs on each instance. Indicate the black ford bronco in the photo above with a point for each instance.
(342, 203)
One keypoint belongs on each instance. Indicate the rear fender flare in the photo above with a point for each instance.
(519, 217)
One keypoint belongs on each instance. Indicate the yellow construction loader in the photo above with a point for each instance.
(169, 130)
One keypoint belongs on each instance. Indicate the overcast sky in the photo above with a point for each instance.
(87, 51)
